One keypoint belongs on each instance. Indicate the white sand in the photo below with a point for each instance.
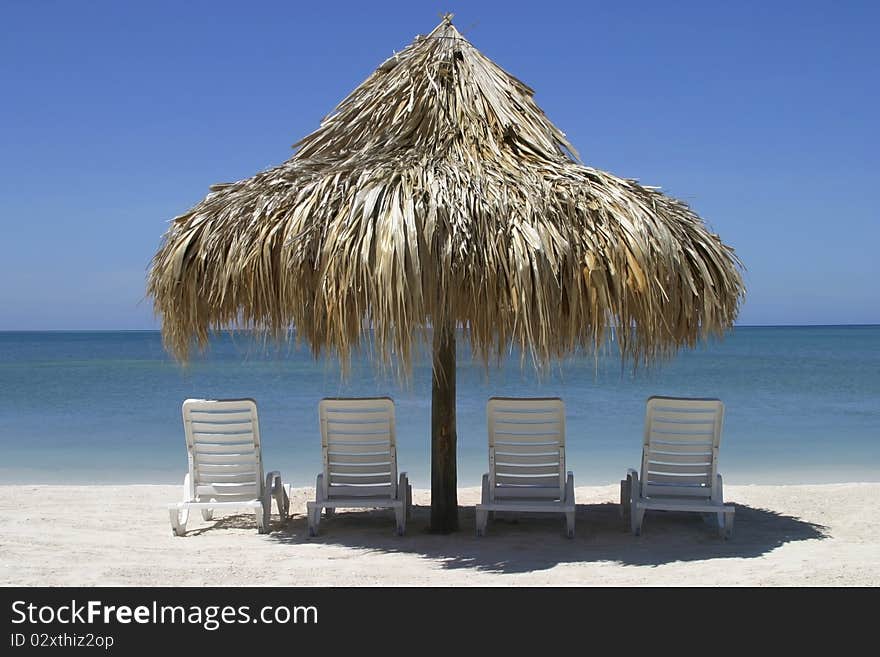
(120, 535)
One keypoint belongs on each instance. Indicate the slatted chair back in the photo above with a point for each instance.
(358, 447)
(680, 449)
(223, 442)
(526, 448)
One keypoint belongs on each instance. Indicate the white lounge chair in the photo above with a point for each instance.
(359, 452)
(526, 460)
(226, 464)
(679, 463)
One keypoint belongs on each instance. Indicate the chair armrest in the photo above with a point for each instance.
(189, 491)
(718, 490)
(319, 488)
(276, 488)
(273, 481)
(402, 485)
(266, 499)
(634, 489)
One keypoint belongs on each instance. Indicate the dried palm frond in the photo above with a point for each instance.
(438, 193)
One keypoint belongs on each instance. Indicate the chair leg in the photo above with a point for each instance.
(625, 494)
(207, 514)
(328, 512)
(400, 517)
(282, 501)
(262, 516)
(637, 516)
(179, 519)
(569, 524)
(727, 528)
(314, 514)
(409, 501)
(481, 520)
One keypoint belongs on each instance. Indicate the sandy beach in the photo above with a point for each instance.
(804, 535)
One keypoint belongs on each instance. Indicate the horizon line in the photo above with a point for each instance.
(157, 330)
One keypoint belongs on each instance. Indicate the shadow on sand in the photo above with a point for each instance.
(537, 542)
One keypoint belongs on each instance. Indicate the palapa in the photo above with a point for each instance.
(437, 199)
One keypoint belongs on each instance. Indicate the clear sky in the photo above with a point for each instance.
(117, 116)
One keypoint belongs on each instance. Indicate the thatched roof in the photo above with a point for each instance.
(439, 192)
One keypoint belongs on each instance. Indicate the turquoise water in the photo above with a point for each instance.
(802, 405)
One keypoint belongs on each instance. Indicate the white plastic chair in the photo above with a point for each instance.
(526, 460)
(679, 463)
(226, 464)
(359, 454)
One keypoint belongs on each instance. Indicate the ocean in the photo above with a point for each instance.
(802, 405)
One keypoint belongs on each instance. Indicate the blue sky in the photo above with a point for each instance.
(117, 116)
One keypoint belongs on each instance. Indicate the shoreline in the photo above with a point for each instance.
(105, 535)
(780, 480)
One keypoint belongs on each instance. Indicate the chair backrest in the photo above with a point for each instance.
(680, 449)
(223, 443)
(526, 447)
(358, 447)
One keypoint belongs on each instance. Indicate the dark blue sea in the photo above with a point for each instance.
(802, 405)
